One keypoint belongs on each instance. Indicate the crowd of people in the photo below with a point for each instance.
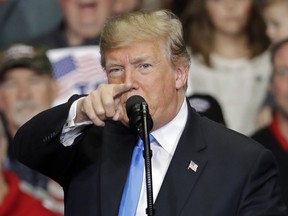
(237, 75)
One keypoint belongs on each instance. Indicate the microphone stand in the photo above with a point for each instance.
(147, 154)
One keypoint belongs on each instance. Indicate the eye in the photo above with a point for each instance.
(10, 85)
(145, 65)
(145, 68)
(115, 72)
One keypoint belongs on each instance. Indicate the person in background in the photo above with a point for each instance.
(176, 6)
(275, 135)
(22, 20)
(275, 14)
(207, 106)
(14, 201)
(26, 88)
(81, 25)
(229, 60)
(124, 6)
(87, 146)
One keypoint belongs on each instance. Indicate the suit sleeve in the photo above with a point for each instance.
(261, 193)
(37, 143)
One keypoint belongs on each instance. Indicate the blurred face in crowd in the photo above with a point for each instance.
(229, 16)
(276, 19)
(122, 6)
(86, 17)
(147, 66)
(280, 80)
(23, 94)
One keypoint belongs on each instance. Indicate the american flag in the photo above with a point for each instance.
(193, 166)
(78, 74)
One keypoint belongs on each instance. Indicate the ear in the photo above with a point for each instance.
(181, 76)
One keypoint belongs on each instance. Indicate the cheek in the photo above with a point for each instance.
(45, 98)
(280, 87)
(44, 94)
(214, 11)
(245, 8)
(283, 30)
(7, 101)
(244, 14)
(215, 16)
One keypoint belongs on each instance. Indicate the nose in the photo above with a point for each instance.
(24, 90)
(128, 75)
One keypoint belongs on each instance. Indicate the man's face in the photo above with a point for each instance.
(280, 80)
(147, 67)
(86, 17)
(24, 93)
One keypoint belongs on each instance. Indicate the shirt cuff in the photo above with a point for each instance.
(72, 130)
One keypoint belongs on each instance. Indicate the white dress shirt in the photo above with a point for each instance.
(163, 148)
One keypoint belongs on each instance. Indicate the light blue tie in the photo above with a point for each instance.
(132, 190)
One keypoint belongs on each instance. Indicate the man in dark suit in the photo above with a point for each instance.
(199, 167)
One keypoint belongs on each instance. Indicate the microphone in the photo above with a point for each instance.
(138, 112)
(141, 123)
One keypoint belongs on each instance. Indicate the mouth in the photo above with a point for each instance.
(88, 4)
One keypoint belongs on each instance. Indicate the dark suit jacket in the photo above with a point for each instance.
(235, 175)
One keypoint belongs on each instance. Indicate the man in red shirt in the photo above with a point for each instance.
(13, 201)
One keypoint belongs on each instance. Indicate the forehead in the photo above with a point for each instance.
(137, 50)
(18, 72)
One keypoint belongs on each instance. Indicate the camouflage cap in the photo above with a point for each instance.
(23, 55)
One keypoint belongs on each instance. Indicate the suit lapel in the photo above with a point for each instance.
(179, 179)
(118, 143)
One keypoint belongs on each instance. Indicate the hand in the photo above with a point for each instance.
(102, 103)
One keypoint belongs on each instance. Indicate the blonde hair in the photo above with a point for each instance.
(128, 28)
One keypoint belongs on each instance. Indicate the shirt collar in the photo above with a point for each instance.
(169, 135)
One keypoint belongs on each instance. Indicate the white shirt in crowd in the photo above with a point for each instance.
(239, 85)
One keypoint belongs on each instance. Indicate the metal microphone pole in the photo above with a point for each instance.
(147, 154)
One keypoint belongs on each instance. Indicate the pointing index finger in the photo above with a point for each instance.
(120, 89)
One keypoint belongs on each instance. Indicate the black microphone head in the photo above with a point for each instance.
(133, 104)
(134, 109)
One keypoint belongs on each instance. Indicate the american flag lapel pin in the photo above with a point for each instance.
(193, 166)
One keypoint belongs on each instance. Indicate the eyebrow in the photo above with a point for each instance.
(134, 61)
(140, 59)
